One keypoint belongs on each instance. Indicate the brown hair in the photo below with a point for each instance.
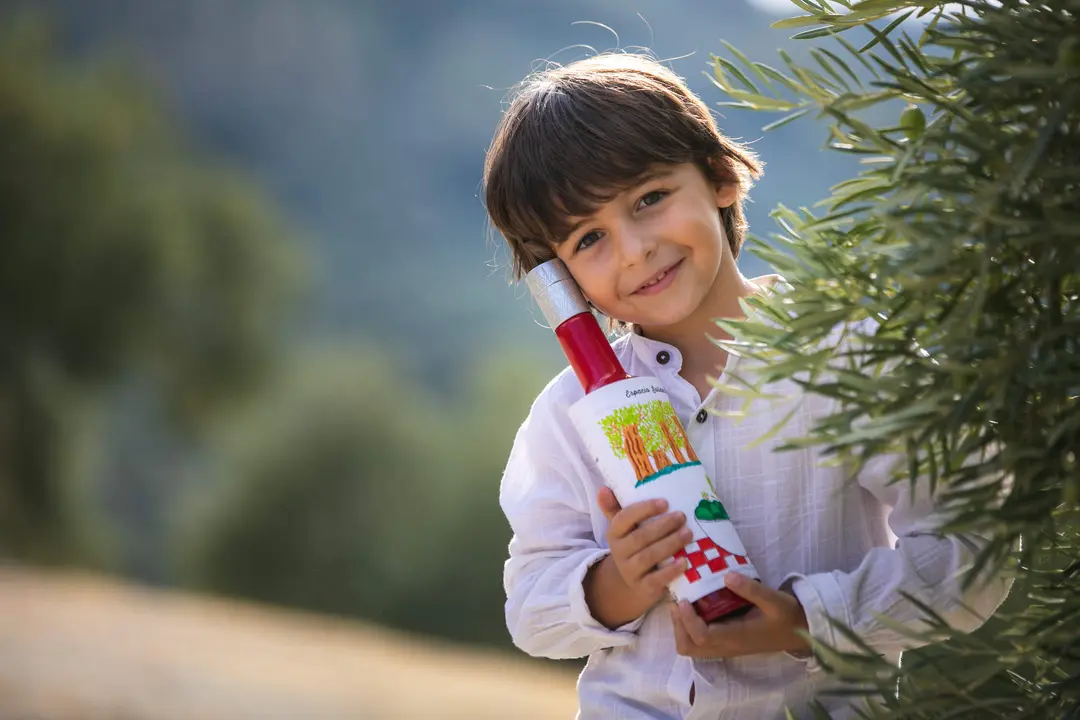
(573, 137)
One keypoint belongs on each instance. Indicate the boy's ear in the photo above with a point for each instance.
(727, 187)
(727, 194)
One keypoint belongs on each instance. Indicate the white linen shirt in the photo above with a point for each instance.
(836, 543)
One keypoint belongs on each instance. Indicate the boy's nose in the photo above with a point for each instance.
(635, 246)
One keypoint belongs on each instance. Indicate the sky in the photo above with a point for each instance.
(776, 7)
(786, 8)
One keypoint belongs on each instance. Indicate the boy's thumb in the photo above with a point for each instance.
(609, 505)
(747, 588)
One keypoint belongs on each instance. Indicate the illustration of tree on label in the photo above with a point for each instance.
(651, 437)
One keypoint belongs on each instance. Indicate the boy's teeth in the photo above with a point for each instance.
(658, 279)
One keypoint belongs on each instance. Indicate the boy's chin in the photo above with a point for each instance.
(671, 311)
(659, 321)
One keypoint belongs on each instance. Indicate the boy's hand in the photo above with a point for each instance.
(769, 626)
(640, 537)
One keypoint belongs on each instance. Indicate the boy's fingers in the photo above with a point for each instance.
(742, 635)
(652, 548)
(609, 505)
(691, 622)
(749, 589)
(630, 516)
(683, 644)
(664, 576)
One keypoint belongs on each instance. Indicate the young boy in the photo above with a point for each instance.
(614, 166)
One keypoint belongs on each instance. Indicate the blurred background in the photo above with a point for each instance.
(257, 342)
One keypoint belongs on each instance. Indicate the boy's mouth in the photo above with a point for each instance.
(659, 281)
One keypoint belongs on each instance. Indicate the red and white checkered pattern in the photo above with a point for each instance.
(707, 558)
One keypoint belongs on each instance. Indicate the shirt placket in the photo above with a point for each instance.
(700, 429)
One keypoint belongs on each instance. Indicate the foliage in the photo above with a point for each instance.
(711, 510)
(650, 418)
(613, 425)
(662, 416)
(953, 262)
(124, 253)
(143, 290)
(347, 489)
(319, 499)
(492, 401)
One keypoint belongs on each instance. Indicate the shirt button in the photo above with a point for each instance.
(702, 416)
(663, 357)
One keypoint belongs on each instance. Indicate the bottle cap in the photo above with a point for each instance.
(556, 292)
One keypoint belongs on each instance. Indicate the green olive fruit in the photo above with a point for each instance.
(913, 122)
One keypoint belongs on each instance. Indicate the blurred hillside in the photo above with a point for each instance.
(368, 121)
(257, 339)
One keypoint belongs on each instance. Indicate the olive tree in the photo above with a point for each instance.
(953, 260)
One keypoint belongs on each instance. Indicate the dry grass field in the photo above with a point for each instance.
(75, 646)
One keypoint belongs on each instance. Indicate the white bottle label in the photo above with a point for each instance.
(643, 452)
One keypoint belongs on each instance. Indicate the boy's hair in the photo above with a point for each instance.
(573, 137)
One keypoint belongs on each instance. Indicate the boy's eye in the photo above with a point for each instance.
(651, 198)
(587, 239)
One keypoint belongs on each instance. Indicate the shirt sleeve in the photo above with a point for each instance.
(923, 564)
(547, 505)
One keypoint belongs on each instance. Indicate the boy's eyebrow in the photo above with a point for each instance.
(573, 229)
(654, 174)
(647, 177)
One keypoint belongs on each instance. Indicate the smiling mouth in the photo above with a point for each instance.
(658, 278)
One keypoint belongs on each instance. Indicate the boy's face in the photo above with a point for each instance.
(651, 255)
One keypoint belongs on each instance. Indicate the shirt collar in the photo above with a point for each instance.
(654, 353)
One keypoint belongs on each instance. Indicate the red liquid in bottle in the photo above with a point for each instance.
(595, 364)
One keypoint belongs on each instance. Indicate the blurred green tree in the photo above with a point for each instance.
(958, 242)
(467, 578)
(350, 489)
(327, 493)
(124, 253)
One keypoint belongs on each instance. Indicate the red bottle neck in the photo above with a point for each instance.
(589, 352)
